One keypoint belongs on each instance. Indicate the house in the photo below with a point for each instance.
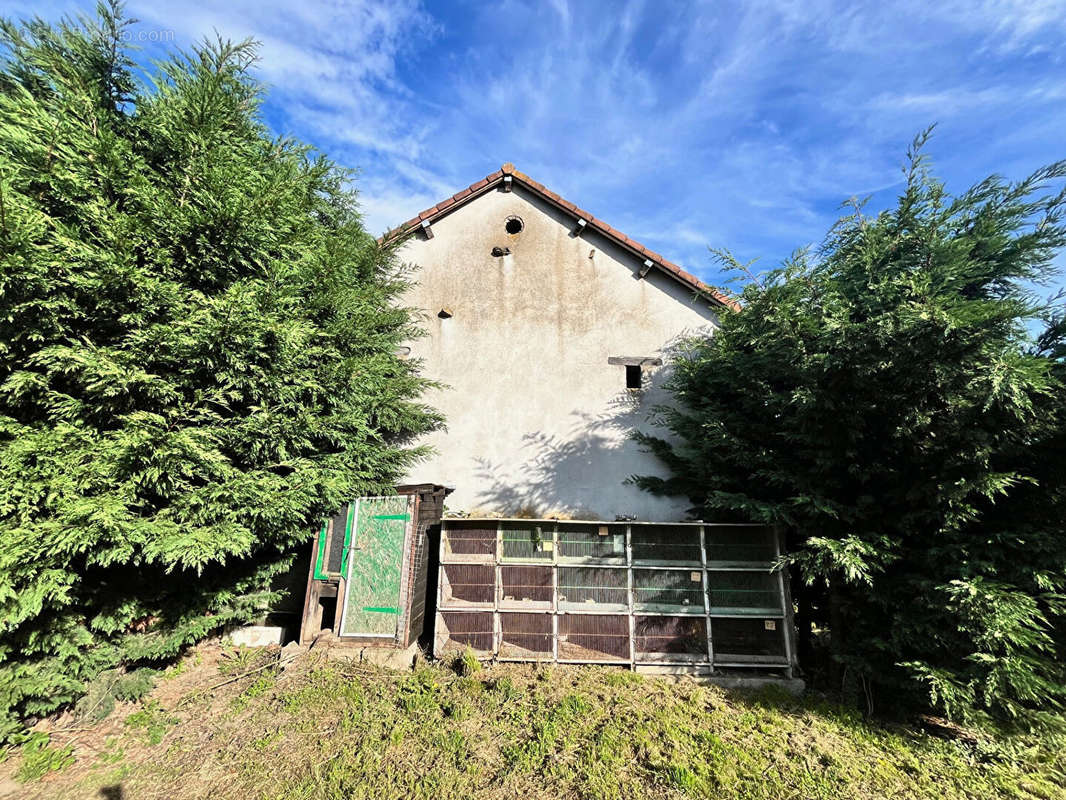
(552, 334)
(551, 331)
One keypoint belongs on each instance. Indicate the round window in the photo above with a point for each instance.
(513, 225)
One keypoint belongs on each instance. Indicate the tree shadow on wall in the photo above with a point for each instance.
(566, 474)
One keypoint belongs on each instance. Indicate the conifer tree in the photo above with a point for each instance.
(197, 353)
(883, 401)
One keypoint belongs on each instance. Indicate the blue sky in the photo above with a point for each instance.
(685, 125)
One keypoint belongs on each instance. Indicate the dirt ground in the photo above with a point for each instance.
(192, 709)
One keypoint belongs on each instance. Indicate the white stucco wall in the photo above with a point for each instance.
(537, 419)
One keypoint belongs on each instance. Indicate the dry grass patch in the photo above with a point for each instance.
(326, 728)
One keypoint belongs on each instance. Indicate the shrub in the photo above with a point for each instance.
(885, 402)
(197, 353)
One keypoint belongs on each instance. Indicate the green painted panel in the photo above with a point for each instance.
(320, 570)
(348, 536)
(375, 566)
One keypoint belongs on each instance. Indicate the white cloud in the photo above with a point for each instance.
(729, 124)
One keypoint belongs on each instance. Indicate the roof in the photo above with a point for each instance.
(490, 182)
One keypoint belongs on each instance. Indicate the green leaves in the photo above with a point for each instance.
(884, 400)
(850, 558)
(197, 343)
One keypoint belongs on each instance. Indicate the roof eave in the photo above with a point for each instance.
(489, 182)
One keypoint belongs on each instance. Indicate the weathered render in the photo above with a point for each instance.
(538, 419)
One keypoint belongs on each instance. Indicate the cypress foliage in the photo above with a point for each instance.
(197, 353)
(883, 401)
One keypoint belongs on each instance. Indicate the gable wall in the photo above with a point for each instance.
(537, 419)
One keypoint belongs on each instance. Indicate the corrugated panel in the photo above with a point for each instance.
(526, 585)
(527, 542)
(739, 543)
(469, 542)
(666, 544)
(756, 593)
(467, 584)
(670, 637)
(592, 542)
(593, 586)
(525, 635)
(748, 640)
(461, 629)
(593, 637)
(668, 590)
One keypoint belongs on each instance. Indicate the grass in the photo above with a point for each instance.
(152, 722)
(329, 729)
(39, 757)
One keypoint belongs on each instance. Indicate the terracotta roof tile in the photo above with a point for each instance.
(479, 188)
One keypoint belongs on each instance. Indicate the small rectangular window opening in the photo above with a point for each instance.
(634, 375)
